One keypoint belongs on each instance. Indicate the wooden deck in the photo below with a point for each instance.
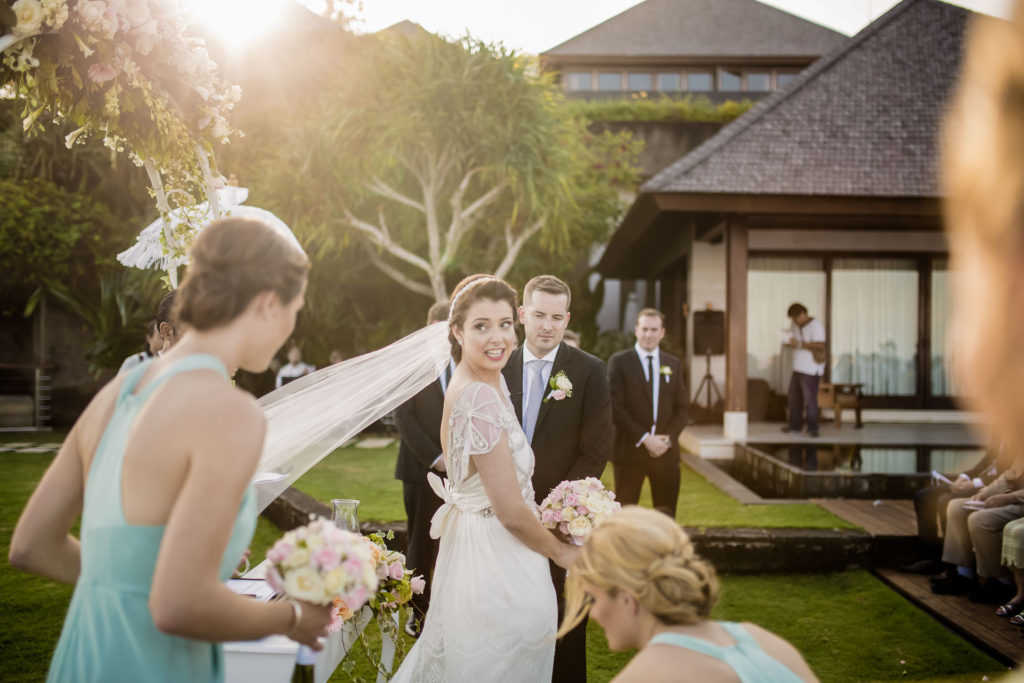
(887, 518)
(977, 623)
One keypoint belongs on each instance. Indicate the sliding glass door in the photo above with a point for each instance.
(886, 317)
(873, 336)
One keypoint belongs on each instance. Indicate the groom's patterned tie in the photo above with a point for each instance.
(536, 396)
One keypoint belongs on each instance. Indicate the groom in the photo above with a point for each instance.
(571, 437)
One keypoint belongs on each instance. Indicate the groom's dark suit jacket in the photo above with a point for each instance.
(572, 438)
(631, 401)
(419, 423)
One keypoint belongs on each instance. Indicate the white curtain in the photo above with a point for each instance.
(943, 380)
(888, 461)
(874, 325)
(954, 461)
(773, 283)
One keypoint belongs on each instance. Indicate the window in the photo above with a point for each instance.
(759, 82)
(773, 283)
(729, 80)
(943, 380)
(698, 82)
(874, 324)
(636, 82)
(579, 80)
(783, 79)
(609, 81)
(669, 82)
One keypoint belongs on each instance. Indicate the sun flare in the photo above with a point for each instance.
(237, 21)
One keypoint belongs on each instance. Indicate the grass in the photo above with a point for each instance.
(368, 474)
(849, 625)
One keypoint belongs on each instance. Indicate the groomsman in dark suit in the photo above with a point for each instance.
(649, 401)
(419, 424)
(570, 437)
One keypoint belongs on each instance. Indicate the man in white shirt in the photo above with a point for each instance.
(807, 339)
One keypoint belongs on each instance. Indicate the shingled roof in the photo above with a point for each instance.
(862, 121)
(701, 28)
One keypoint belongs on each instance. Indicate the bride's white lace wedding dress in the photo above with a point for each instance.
(492, 614)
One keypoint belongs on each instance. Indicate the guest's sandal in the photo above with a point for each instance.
(1010, 609)
(1017, 619)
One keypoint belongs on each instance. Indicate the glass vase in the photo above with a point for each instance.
(345, 513)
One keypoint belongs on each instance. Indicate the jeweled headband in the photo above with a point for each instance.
(462, 291)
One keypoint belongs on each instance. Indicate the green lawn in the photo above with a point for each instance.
(849, 625)
(368, 474)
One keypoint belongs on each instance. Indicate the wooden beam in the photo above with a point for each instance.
(736, 256)
(796, 204)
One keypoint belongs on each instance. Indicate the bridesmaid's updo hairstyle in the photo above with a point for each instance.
(647, 554)
(232, 261)
(469, 291)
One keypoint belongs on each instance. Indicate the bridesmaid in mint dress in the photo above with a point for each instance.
(637, 575)
(158, 466)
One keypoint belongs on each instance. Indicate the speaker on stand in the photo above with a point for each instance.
(709, 339)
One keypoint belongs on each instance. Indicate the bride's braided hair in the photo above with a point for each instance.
(647, 554)
(468, 292)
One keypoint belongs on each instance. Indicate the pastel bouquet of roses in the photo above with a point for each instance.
(321, 563)
(397, 583)
(574, 508)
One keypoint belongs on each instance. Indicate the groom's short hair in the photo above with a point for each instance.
(438, 312)
(548, 284)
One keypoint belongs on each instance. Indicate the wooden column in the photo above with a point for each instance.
(736, 259)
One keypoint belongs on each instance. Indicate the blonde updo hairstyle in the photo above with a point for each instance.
(232, 261)
(647, 554)
(472, 289)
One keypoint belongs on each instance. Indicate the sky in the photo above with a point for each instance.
(536, 25)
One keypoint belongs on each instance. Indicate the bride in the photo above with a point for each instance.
(492, 613)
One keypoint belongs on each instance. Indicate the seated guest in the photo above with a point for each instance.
(1013, 557)
(974, 539)
(572, 338)
(930, 504)
(294, 369)
(154, 344)
(639, 578)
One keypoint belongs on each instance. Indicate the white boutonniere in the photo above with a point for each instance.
(561, 387)
(666, 372)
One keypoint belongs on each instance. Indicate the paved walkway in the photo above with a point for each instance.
(29, 447)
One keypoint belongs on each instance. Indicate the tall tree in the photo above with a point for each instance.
(440, 157)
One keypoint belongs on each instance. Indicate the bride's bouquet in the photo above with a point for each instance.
(574, 508)
(320, 563)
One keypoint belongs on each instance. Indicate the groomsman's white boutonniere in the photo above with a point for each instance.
(561, 387)
(666, 372)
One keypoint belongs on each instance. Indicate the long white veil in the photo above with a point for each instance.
(313, 415)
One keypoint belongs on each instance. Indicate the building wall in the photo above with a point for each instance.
(706, 285)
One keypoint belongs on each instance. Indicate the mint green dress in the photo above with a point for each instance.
(750, 662)
(108, 633)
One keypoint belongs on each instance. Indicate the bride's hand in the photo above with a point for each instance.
(567, 555)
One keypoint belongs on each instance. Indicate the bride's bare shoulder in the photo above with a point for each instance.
(472, 393)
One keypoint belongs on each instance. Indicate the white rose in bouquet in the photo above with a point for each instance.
(580, 526)
(29, 14)
(305, 583)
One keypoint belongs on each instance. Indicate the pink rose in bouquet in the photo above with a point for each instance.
(320, 562)
(574, 508)
(397, 583)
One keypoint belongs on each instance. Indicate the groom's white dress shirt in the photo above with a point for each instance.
(656, 385)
